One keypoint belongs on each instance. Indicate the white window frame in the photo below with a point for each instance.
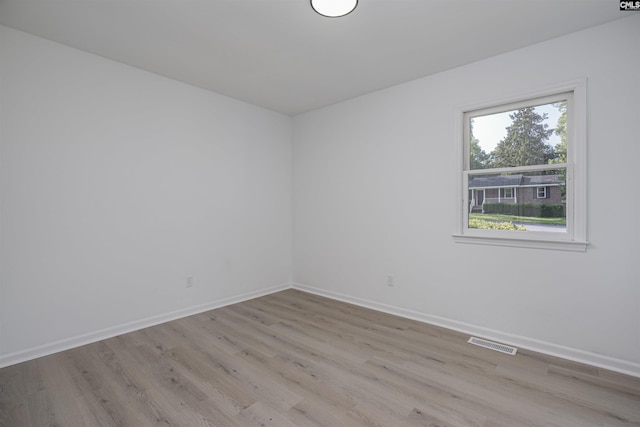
(544, 193)
(575, 239)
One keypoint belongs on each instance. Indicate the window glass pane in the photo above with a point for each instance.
(542, 192)
(533, 135)
(510, 201)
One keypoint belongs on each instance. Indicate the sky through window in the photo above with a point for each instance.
(491, 129)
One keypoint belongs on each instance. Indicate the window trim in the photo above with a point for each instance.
(576, 237)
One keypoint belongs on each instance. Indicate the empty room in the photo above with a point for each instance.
(319, 213)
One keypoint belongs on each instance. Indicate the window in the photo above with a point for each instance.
(541, 193)
(522, 177)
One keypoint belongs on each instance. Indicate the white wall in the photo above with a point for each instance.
(374, 194)
(115, 185)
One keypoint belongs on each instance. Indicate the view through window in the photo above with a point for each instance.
(516, 167)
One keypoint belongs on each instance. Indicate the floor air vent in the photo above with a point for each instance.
(502, 348)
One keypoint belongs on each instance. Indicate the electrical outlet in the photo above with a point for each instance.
(189, 282)
(390, 281)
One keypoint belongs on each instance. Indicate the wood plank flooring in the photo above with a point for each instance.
(296, 359)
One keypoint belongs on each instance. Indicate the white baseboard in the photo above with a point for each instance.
(576, 355)
(77, 341)
(601, 361)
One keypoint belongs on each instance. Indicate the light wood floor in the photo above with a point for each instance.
(295, 359)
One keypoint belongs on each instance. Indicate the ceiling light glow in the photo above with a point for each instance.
(334, 8)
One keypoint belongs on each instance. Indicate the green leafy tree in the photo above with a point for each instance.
(478, 158)
(561, 130)
(561, 147)
(526, 141)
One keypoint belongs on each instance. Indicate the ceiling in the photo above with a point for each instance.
(281, 55)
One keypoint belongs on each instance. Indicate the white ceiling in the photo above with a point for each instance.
(281, 55)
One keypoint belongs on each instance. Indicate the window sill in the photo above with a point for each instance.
(556, 245)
